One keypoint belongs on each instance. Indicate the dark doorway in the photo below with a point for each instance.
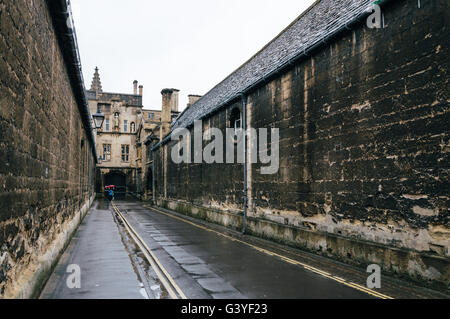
(120, 181)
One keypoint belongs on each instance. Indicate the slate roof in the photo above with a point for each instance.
(315, 24)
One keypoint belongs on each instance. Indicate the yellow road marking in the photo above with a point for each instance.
(152, 259)
(284, 258)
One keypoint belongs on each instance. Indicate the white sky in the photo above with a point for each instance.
(188, 45)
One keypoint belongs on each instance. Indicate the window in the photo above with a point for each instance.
(236, 120)
(151, 116)
(125, 153)
(133, 127)
(107, 125)
(125, 126)
(106, 152)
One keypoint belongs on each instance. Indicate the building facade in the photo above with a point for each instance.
(124, 158)
(116, 140)
(364, 145)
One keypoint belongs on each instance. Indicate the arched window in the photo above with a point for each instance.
(133, 127)
(236, 120)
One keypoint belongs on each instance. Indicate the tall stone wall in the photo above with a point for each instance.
(364, 149)
(47, 164)
(217, 185)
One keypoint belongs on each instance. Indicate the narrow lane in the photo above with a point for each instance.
(207, 265)
(106, 269)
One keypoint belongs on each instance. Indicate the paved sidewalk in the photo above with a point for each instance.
(106, 268)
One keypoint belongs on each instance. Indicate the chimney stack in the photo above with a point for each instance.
(135, 87)
(193, 99)
(141, 90)
(175, 96)
(169, 105)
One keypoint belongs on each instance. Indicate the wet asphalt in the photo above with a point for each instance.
(203, 264)
(107, 271)
(207, 265)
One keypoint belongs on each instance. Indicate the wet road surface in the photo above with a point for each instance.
(203, 260)
(207, 265)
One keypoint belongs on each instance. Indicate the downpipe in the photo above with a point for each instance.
(153, 178)
(244, 131)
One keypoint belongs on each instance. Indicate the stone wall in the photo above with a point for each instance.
(364, 149)
(47, 163)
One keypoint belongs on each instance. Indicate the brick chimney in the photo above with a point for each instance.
(141, 90)
(135, 87)
(169, 105)
(193, 99)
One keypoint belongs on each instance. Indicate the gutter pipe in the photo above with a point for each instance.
(244, 128)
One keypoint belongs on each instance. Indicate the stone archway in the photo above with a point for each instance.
(120, 181)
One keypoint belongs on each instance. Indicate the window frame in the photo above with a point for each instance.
(125, 153)
(236, 122)
(106, 152)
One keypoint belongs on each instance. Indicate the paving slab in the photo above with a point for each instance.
(106, 268)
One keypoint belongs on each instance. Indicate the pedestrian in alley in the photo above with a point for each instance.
(110, 194)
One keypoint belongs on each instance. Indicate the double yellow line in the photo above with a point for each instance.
(284, 258)
(171, 286)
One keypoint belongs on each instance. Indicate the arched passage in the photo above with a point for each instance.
(119, 180)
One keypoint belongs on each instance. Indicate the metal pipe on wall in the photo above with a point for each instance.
(244, 132)
(153, 178)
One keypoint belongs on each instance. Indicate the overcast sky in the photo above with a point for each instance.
(188, 45)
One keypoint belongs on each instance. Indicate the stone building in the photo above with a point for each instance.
(128, 129)
(364, 146)
(153, 125)
(116, 140)
(47, 147)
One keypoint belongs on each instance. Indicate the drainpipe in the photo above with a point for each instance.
(244, 129)
(153, 178)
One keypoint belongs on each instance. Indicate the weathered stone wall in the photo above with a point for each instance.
(364, 138)
(46, 171)
(216, 185)
(364, 149)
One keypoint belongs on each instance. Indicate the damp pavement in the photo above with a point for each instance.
(106, 268)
